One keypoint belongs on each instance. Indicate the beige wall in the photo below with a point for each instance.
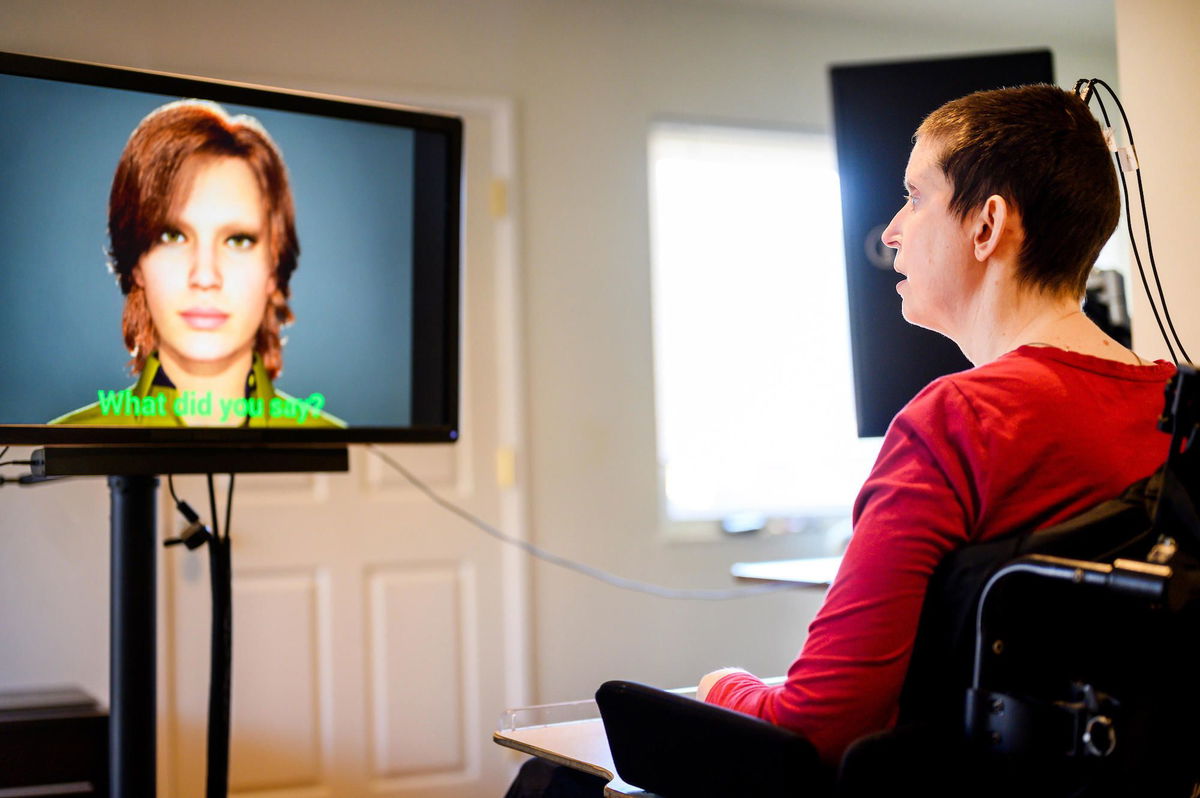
(587, 77)
(1156, 47)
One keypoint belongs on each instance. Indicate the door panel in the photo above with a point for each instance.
(410, 604)
(276, 722)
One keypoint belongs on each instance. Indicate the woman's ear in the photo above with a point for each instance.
(996, 226)
(138, 279)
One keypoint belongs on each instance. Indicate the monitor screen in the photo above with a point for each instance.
(184, 260)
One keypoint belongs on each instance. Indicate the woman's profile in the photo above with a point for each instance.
(1011, 194)
(203, 245)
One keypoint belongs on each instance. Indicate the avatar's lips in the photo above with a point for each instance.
(204, 318)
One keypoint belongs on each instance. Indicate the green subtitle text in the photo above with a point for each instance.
(191, 404)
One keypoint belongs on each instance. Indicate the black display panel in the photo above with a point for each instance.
(191, 261)
(876, 109)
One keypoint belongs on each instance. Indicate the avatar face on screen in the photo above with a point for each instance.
(203, 245)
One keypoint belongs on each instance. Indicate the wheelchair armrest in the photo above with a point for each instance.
(673, 746)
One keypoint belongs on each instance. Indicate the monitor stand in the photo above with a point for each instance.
(132, 473)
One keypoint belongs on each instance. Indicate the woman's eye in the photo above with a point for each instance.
(910, 199)
(171, 237)
(241, 241)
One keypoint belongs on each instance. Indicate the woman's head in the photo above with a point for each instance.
(202, 236)
(1040, 148)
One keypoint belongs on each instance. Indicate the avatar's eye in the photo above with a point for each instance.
(241, 241)
(171, 237)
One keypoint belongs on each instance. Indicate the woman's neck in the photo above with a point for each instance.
(223, 380)
(1015, 316)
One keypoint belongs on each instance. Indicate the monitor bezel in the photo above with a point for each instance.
(155, 82)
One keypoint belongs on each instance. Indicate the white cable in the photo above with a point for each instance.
(719, 594)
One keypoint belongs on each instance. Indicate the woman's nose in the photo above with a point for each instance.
(891, 233)
(206, 270)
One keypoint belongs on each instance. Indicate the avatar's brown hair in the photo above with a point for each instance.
(148, 179)
(1040, 148)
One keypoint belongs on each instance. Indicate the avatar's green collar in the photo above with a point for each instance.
(154, 378)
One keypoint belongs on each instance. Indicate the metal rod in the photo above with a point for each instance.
(132, 637)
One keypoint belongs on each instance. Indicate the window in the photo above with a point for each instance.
(754, 391)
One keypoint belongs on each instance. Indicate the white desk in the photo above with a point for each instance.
(812, 571)
(579, 744)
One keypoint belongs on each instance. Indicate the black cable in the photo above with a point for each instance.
(221, 632)
(1154, 270)
(212, 507)
(228, 504)
(17, 462)
(1129, 226)
(221, 653)
(1142, 271)
(1145, 216)
(1145, 221)
(4, 451)
(701, 594)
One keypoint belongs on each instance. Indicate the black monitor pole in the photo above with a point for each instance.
(133, 645)
(132, 636)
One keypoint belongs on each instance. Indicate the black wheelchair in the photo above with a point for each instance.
(1058, 663)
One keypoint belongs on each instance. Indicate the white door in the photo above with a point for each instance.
(377, 637)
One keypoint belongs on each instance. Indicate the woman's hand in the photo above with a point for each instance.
(709, 679)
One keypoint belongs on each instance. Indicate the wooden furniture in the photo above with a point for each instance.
(52, 742)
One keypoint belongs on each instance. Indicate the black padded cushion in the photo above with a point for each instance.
(678, 747)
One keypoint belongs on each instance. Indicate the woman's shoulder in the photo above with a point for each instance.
(120, 408)
(88, 415)
(1032, 373)
(1040, 389)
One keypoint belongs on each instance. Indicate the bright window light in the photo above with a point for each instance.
(754, 392)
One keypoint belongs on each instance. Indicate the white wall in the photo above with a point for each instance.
(587, 76)
(54, 584)
(1156, 47)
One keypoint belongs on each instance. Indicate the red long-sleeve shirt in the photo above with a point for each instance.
(1022, 443)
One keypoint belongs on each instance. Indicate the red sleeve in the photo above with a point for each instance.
(917, 504)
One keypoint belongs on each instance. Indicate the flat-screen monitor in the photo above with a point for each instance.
(192, 261)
